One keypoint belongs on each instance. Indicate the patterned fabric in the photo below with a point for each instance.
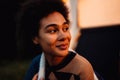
(63, 71)
(62, 76)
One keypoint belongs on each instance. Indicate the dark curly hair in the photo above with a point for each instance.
(34, 10)
(30, 14)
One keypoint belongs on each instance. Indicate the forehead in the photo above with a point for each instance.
(53, 18)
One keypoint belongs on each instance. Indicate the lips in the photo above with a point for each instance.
(62, 46)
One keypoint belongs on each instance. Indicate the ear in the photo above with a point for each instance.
(36, 40)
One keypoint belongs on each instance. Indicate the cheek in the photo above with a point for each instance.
(48, 40)
(51, 40)
(69, 36)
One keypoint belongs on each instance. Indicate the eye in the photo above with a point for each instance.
(52, 31)
(65, 28)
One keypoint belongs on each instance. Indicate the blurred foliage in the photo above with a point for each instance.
(13, 70)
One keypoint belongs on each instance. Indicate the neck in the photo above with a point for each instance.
(53, 60)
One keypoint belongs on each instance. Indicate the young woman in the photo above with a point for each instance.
(48, 24)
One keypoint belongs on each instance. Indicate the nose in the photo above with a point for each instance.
(62, 35)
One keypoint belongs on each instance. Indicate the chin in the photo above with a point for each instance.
(62, 53)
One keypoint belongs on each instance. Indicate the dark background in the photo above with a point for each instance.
(101, 46)
(13, 64)
(8, 11)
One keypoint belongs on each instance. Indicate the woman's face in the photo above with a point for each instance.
(54, 35)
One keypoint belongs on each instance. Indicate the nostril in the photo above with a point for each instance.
(62, 36)
(61, 39)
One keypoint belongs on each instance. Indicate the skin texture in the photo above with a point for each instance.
(54, 37)
(35, 77)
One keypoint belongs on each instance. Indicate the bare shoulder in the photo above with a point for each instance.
(83, 60)
(86, 70)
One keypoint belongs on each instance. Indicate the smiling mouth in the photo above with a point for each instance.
(63, 46)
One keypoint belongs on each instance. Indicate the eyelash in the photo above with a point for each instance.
(52, 31)
(65, 29)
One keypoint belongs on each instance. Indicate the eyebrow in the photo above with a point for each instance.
(55, 25)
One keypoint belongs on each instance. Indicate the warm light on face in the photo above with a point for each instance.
(65, 1)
